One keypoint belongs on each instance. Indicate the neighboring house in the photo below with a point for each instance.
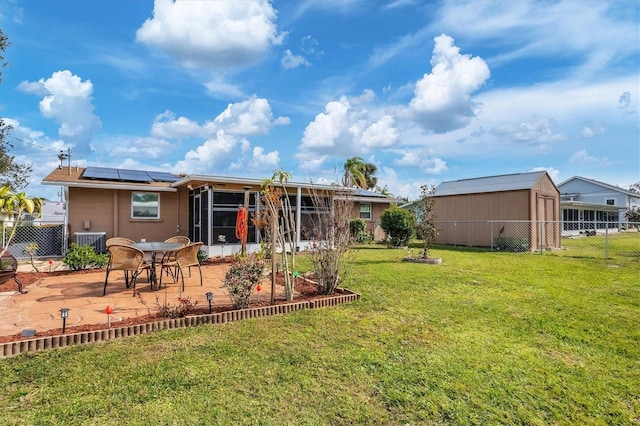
(589, 205)
(105, 202)
(517, 211)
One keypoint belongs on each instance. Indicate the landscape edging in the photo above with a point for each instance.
(18, 347)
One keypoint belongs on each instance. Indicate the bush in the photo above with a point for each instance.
(398, 224)
(241, 278)
(81, 257)
(202, 256)
(358, 230)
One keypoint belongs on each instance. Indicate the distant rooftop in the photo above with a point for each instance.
(513, 182)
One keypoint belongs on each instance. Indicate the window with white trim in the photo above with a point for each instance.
(611, 202)
(145, 205)
(365, 211)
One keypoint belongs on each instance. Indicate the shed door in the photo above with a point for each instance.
(545, 220)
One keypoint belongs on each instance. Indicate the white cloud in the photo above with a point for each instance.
(553, 173)
(347, 127)
(583, 158)
(212, 34)
(218, 87)
(250, 117)
(529, 28)
(442, 99)
(212, 156)
(535, 131)
(166, 126)
(246, 118)
(259, 161)
(289, 60)
(419, 159)
(592, 129)
(68, 101)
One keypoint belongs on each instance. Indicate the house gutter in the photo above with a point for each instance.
(112, 186)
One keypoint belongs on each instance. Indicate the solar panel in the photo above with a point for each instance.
(133, 175)
(100, 173)
(163, 177)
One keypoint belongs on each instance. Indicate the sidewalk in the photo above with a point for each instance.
(39, 309)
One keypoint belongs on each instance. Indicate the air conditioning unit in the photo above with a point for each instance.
(98, 240)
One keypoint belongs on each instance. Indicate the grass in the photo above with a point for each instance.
(484, 338)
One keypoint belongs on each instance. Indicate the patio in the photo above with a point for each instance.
(81, 292)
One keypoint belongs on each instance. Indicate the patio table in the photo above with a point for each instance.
(153, 248)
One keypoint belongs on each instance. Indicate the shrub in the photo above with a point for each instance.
(358, 230)
(180, 310)
(81, 257)
(202, 256)
(241, 278)
(398, 224)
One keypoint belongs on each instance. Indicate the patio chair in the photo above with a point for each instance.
(9, 270)
(170, 256)
(119, 240)
(178, 239)
(128, 259)
(186, 257)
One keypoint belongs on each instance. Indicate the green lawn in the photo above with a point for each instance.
(484, 338)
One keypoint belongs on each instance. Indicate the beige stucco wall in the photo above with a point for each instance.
(373, 224)
(109, 210)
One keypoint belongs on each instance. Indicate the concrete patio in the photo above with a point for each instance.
(39, 308)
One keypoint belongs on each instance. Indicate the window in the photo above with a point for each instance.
(145, 205)
(611, 202)
(365, 211)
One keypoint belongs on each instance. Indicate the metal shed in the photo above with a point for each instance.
(516, 212)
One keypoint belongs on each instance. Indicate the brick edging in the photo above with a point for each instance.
(10, 349)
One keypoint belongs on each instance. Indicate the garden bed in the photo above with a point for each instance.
(306, 297)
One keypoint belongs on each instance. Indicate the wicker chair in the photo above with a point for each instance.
(186, 257)
(170, 255)
(179, 239)
(9, 270)
(119, 240)
(128, 259)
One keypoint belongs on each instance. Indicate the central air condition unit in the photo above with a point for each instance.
(98, 240)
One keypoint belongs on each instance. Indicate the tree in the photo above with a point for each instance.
(354, 173)
(425, 218)
(398, 224)
(633, 216)
(280, 221)
(331, 236)
(370, 170)
(14, 175)
(359, 174)
(14, 204)
(635, 187)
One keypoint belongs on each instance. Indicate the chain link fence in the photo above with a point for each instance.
(39, 241)
(583, 239)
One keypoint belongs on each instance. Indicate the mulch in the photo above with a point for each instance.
(306, 289)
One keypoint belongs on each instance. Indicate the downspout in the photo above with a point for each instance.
(115, 213)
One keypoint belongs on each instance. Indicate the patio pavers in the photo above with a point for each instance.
(39, 309)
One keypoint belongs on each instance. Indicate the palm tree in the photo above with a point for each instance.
(370, 170)
(354, 173)
(12, 203)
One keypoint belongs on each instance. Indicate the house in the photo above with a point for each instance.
(589, 205)
(516, 211)
(137, 204)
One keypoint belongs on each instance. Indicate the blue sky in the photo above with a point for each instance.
(429, 91)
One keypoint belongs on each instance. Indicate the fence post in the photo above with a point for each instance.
(540, 222)
(606, 243)
(491, 224)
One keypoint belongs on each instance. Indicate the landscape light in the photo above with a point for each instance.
(64, 313)
(209, 299)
